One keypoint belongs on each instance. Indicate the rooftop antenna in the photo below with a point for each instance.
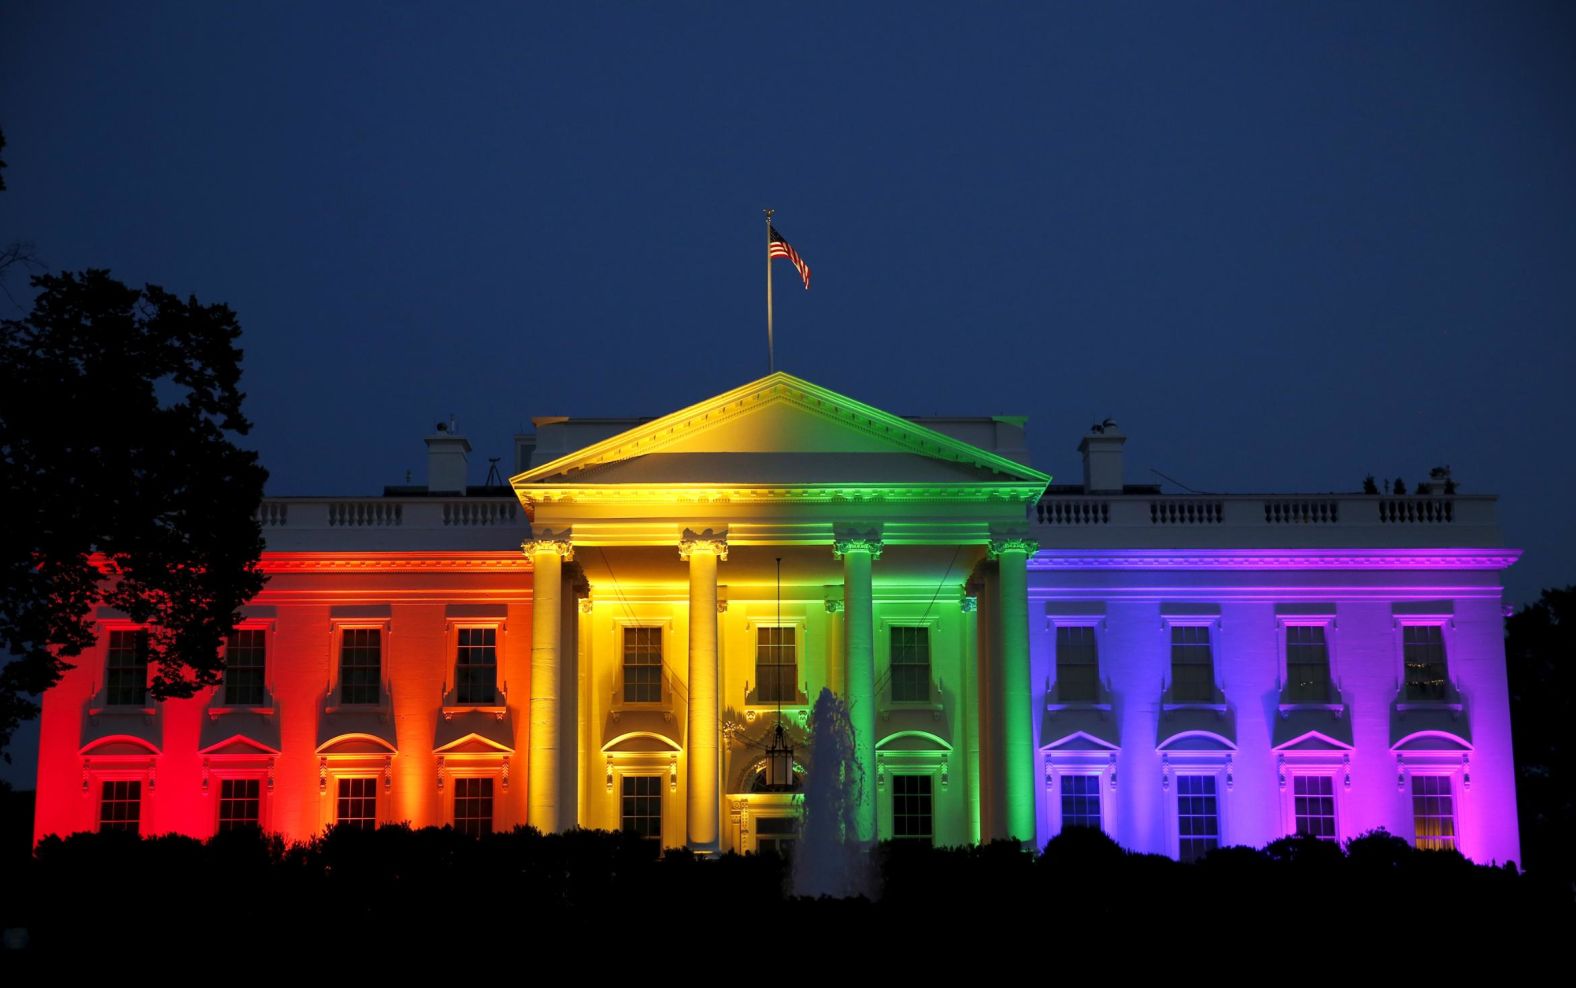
(1177, 482)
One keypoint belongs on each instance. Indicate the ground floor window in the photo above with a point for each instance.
(1314, 805)
(240, 803)
(120, 805)
(775, 835)
(1081, 801)
(912, 811)
(1198, 816)
(641, 813)
(1433, 813)
(473, 806)
(357, 804)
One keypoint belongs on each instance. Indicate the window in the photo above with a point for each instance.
(473, 806)
(126, 669)
(240, 803)
(357, 803)
(1424, 648)
(1313, 799)
(1198, 816)
(1307, 664)
(360, 665)
(642, 665)
(641, 813)
(1192, 664)
(1080, 801)
(1433, 813)
(476, 666)
(910, 664)
(775, 667)
(1077, 665)
(912, 817)
(245, 660)
(775, 835)
(120, 803)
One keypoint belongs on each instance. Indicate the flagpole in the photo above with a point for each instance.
(771, 356)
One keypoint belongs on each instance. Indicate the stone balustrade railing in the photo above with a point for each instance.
(1269, 520)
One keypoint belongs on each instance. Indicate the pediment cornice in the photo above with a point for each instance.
(1001, 477)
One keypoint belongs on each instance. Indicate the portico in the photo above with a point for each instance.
(685, 652)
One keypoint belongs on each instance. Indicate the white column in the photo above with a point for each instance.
(969, 693)
(1012, 686)
(703, 778)
(858, 552)
(548, 551)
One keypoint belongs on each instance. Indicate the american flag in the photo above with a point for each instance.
(776, 246)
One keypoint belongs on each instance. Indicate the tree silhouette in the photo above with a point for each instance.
(123, 485)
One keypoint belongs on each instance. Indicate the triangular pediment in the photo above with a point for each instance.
(777, 432)
(239, 745)
(1314, 741)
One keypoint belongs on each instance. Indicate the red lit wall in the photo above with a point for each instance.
(416, 599)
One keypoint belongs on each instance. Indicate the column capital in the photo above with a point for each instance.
(548, 540)
(706, 541)
(999, 547)
(847, 538)
(970, 604)
(834, 607)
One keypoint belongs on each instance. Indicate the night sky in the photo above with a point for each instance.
(1283, 245)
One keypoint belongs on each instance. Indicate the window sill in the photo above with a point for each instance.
(215, 712)
(931, 707)
(1453, 706)
(493, 710)
(356, 708)
(1058, 706)
(1219, 708)
(1338, 709)
(128, 709)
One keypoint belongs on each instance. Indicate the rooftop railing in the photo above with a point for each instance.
(1269, 520)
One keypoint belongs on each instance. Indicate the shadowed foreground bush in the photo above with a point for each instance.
(407, 887)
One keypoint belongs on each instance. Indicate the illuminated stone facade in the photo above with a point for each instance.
(611, 643)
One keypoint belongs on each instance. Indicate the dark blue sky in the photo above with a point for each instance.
(1284, 245)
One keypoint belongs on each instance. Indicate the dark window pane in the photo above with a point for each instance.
(126, 669)
(776, 667)
(1307, 664)
(642, 665)
(910, 664)
(912, 817)
(245, 662)
(360, 665)
(1077, 665)
(476, 666)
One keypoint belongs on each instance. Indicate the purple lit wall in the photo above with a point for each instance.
(1253, 724)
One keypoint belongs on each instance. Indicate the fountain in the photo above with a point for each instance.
(828, 859)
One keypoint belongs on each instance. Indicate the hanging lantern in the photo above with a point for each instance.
(779, 762)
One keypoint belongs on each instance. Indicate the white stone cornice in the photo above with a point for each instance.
(1299, 559)
(393, 562)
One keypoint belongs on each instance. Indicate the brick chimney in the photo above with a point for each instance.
(1102, 458)
(446, 460)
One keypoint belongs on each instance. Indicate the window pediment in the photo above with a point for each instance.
(1425, 741)
(122, 745)
(1082, 741)
(1203, 741)
(357, 744)
(238, 744)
